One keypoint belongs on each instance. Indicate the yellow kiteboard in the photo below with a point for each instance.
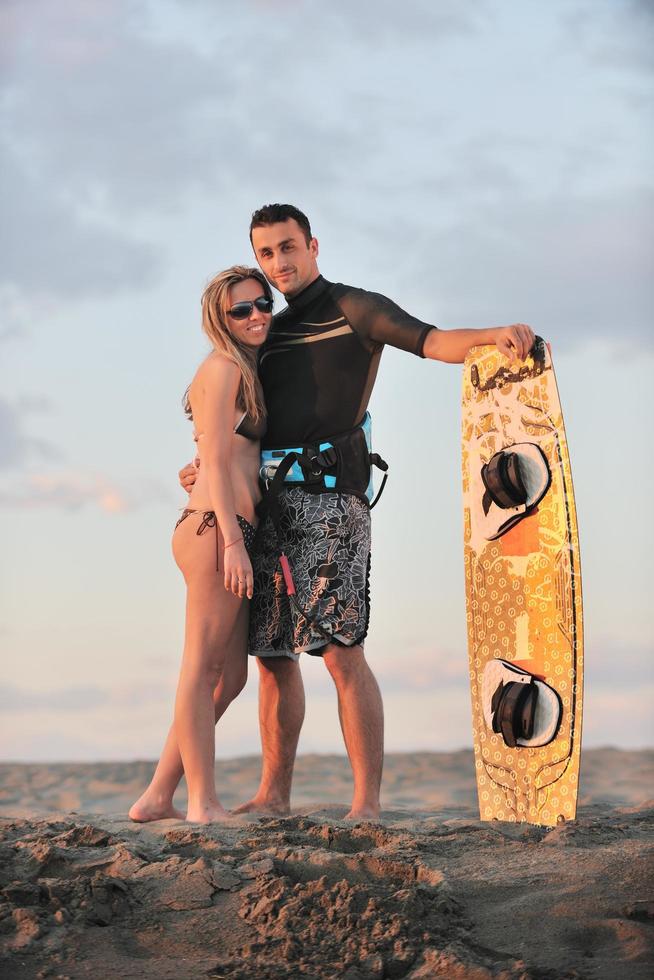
(523, 589)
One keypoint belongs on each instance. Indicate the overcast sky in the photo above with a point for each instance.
(483, 162)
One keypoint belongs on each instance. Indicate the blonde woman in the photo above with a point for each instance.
(211, 541)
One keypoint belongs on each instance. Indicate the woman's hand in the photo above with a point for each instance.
(189, 475)
(238, 570)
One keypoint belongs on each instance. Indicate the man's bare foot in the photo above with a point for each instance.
(274, 808)
(209, 813)
(362, 813)
(148, 808)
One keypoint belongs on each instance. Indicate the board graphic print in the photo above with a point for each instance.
(523, 589)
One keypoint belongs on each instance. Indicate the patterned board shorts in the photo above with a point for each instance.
(326, 537)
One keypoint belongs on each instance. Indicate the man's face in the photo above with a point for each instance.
(287, 262)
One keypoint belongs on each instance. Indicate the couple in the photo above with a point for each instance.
(297, 383)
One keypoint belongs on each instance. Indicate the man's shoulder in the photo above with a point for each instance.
(339, 289)
(333, 292)
(352, 301)
(281, 316)
(359, 306)
(363, 297)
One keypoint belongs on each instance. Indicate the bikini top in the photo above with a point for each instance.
(247, 428)
(250, 429)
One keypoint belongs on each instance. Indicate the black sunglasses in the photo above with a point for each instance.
(241, 311)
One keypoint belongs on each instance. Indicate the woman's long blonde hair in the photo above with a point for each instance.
(215, 304)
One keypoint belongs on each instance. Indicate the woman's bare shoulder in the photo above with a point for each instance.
(217, 363)
(215, 368)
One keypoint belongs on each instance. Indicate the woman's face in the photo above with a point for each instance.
(253, 328)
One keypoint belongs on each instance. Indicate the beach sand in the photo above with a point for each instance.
(426, 891)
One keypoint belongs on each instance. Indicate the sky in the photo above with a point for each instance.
(481, 163)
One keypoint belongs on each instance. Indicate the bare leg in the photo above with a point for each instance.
(281, 713)
(156, 803)
(216, 632)
(361, 714)
(213, 671)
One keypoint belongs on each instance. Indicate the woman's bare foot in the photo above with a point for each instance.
(275, 808)
(149, 808)
(207, 813)
(362, 813)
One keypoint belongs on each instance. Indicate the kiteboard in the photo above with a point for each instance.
(523, 589)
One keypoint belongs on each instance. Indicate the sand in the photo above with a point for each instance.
(427, 891)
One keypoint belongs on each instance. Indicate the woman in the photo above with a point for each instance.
(211, 541)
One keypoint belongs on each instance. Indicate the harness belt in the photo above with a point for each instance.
(341, 464)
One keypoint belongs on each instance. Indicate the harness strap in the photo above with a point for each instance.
(312, 466)
(382, 465)
(326, 459)
(269, 503)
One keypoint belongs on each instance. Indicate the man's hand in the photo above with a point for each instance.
(515, 341)
(189, 475)
(452, 346)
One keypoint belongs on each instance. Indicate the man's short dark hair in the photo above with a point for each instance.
(270, 214)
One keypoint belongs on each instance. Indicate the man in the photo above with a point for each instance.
(318, 369)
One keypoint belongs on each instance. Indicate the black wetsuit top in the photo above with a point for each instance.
(319, 363)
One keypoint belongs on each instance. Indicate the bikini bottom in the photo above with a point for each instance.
(209, 520)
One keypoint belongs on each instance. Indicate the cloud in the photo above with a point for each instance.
(82, 698)
(13, 332)
(617, 669)
(127, 112)
(613, 35)
(70, 491)
(622, 717)
(24, 487)
(51, 252)
(433, 23)
(17, 448)
(574, 267)
(117, 119)
(120, 115)
(369, 20)
(423, 670)
(97, 122)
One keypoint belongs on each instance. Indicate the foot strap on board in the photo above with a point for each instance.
(514, 710)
